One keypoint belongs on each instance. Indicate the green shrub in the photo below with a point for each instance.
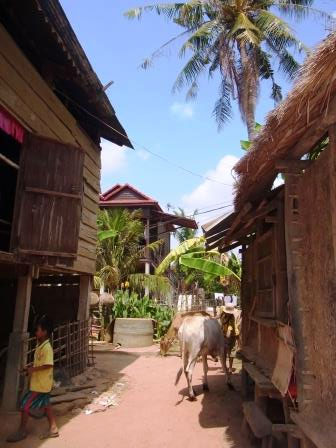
(131, 305)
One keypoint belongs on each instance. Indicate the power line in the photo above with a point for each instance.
(173, 207)
(159, 156)
(213, 210)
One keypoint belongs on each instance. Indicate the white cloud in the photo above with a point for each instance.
(182, 110)
(209, 195)
(113, 158)
(334, 14)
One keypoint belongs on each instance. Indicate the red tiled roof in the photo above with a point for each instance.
(128, 196)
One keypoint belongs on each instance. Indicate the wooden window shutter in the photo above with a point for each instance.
(48, 201)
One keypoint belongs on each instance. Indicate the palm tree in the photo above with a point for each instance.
(241, 39)
(184, 233)
(120, 248)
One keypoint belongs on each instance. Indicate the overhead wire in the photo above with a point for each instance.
(198, 209)
(159, 156)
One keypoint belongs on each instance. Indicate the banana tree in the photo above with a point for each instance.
(191, 245)
(191, 262)
(197, 261)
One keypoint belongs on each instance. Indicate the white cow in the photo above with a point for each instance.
(200, 336)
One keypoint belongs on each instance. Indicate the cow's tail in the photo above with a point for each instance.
(178, 376)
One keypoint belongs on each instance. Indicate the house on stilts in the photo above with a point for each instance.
(158, 224)
(53, 112)
(288, 240)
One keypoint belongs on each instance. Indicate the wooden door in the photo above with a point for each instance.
(48, 202)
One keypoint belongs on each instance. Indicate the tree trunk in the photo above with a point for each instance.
(248, 90)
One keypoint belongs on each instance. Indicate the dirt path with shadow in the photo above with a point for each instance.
(152, 412)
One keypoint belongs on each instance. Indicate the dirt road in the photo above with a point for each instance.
(152, 412)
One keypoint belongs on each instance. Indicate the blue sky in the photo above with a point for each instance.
(185, 133)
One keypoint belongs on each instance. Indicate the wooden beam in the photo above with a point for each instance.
(264, 321)
(292, 166)
(260, 212)
(234, 245)
(247, 207)
(242, 233)
(288, 428)
(84, 297)
(216, 237)
(259, 378)
(53, 193)
(225, 222)
(9, 162)
(260, 425)
(3, 221)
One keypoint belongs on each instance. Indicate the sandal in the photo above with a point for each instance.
(17, 436)
(49, 435)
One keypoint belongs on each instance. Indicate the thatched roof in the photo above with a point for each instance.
(306, 114)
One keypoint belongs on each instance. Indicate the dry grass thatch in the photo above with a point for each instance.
(307, 104)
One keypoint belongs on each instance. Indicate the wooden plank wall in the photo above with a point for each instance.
(316, 300)
(260, 336)
(27, 96)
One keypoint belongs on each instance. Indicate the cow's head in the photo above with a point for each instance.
(165, 344)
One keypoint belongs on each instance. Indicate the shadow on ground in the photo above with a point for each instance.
(110, 364)
(221, 407)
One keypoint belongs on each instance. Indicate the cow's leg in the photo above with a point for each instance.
(205, 371)
(189, 372)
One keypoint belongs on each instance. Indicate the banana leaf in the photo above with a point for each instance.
(105, 234)
(186, 246)
(207, 266)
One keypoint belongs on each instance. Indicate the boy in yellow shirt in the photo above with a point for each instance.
(41, 382)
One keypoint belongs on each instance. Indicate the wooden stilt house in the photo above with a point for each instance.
(53, 112)
(287, 234)
(158, 224)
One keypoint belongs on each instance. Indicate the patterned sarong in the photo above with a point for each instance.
(34, 400)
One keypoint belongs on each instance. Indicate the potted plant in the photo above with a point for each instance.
(137, 320)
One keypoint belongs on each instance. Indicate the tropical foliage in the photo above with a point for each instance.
(239, 39)
(192, 263)
(246, 144)
(191, 245)
(197, 261)
(154, 284)
(131, 305)
(120, 246)
(184, 233)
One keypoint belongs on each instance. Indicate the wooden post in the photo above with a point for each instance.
(244, 384)
(260, 399)
(292, 232)
(84, 297)
(147, 263)
(17, 340)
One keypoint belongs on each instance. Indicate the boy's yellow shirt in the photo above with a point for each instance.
(42, 381)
